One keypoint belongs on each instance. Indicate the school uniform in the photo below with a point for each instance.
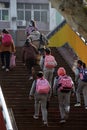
(40, 99)
(63, 99)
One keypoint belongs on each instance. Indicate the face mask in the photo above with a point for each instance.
(30, 24)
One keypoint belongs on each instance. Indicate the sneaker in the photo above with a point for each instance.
(77, 105)
(31, 77)
(62, 121)
(35, 117)
(45, 124)
(86, 107)
(7, 70)
(3, 67)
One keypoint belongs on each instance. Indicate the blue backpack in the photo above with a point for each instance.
(83, 75)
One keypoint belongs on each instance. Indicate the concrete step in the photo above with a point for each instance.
(15, 86)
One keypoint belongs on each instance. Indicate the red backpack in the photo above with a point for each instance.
(6, 40)
(42, 86)
(49, 61)
(65, 83)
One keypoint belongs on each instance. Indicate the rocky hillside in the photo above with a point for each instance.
(75, 12)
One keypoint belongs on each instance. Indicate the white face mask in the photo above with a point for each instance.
(30, 24)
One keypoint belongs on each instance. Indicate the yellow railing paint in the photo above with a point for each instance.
(67, 35)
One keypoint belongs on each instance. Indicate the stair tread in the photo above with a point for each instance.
(15, 86)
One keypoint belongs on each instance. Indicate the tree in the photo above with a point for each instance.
(75, 13)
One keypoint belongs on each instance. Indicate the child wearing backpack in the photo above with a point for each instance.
(7, 47)
(40, 90)
(77, 78)
(82, 85)
(48, 64)
(63, 86)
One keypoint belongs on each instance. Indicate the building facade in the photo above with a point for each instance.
(20, 12)
(16, 14)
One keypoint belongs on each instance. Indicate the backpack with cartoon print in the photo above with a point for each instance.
(65, 83)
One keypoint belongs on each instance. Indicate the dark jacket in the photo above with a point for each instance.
(29, 52)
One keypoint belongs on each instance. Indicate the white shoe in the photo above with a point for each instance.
(31, 77)
(62, 121)
(86, 108)
(3, 67)
(45, 123)
(35, 117)
(7, 70)
(77, 105)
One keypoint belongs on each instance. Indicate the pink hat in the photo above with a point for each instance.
(61, 71)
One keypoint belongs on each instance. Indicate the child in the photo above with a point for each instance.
(63, 85)
(82, 86)
(77, 78)
(29, 54)
(32, 27)
(40, 96)
(48, 63)
(6, 47)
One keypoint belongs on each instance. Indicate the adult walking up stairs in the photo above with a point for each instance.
(15, 86)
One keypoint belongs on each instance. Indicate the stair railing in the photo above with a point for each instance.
(5, 111)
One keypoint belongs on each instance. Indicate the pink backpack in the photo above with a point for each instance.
(42, 86)
(49, 61)
(65, 83)
(6, 40)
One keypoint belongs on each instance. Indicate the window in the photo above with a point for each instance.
(6, 5)
(37, 15)
(44, 16)
(41, 12)
(20, 6)
(38, 12)
(28, 6)
(20, 11)
(20, 15)
(0, 14)
(45, 6)
(4, 11)
(27, 15)
(4, 14)
(36, 6)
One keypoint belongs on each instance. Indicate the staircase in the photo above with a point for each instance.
(15, 86)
